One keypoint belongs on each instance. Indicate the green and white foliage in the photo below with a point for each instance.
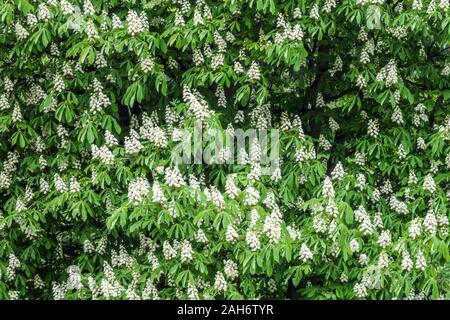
(94, 95)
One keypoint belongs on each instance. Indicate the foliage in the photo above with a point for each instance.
(94, 95)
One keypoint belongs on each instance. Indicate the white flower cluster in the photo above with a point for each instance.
(327, 189)
(360, 181)
(324, 143)
(220, 283)
(421, 143)
(444, 4)
(136, 23)
(231, 234)
(8, 84)
(231, 269)
(304, 154)
(197, 105)
(157, 193)
(98, 99)
(110, 139)
(415, 229)
(398, 32)
(383, 260)
(67, 7)
(58, 83)
(213, 195)
(192, 292)
(388, 74)
(417, 4)
(173, 178)
(100, 60)
(238, 68)
(38, 283)
(446, 70)
(420, 115)
(337, 66)
(329, 5)
(74, 186)
(91, 30)
(252, 240)
(231, 190)
(429, 184)
(43, 13)
(338, 172)
(407, 263)
(4, 104)
(384, 240)
(431, 7)
(13, 265)
(398, 206)
(186, 251)
(21, 32)
(254, 73)
(294, 233)
(200, 237)
(430, 222)
(397, 116)
(132, 143)
(334, 126)
(138, 190)
(88, 8)
(261, 116)
(31, 19)
(305, 253)
(197, 57)
(221, 98)
(314, 13)
(361, 82)
(147, 64)
(110, 287)
(363, 259)
(116, 22)
(251, 196)
(354, 246)
(44, 186)
(103, 154)
(289, 32)
(198, 18)
(179, 20)
(254, 218)
(320, 224)
(401, 152)
(217, 60)
(20, 205)
(17, 114)
(60, 185)
(169, 251)
(360, 290)
(74, 279)
(373, 128)
(320, 102)
(368, 49)
(151, 131)
(272, 226)
(421, 262)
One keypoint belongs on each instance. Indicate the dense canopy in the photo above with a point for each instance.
(95, 97)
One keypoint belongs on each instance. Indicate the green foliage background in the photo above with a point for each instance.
(385, 88)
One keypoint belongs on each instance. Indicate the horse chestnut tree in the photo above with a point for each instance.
(96, 96)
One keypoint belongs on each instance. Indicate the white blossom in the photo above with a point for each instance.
(305, 253)
(138, 190)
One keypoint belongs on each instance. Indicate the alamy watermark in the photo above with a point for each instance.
(237, 146)
(373, 18)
